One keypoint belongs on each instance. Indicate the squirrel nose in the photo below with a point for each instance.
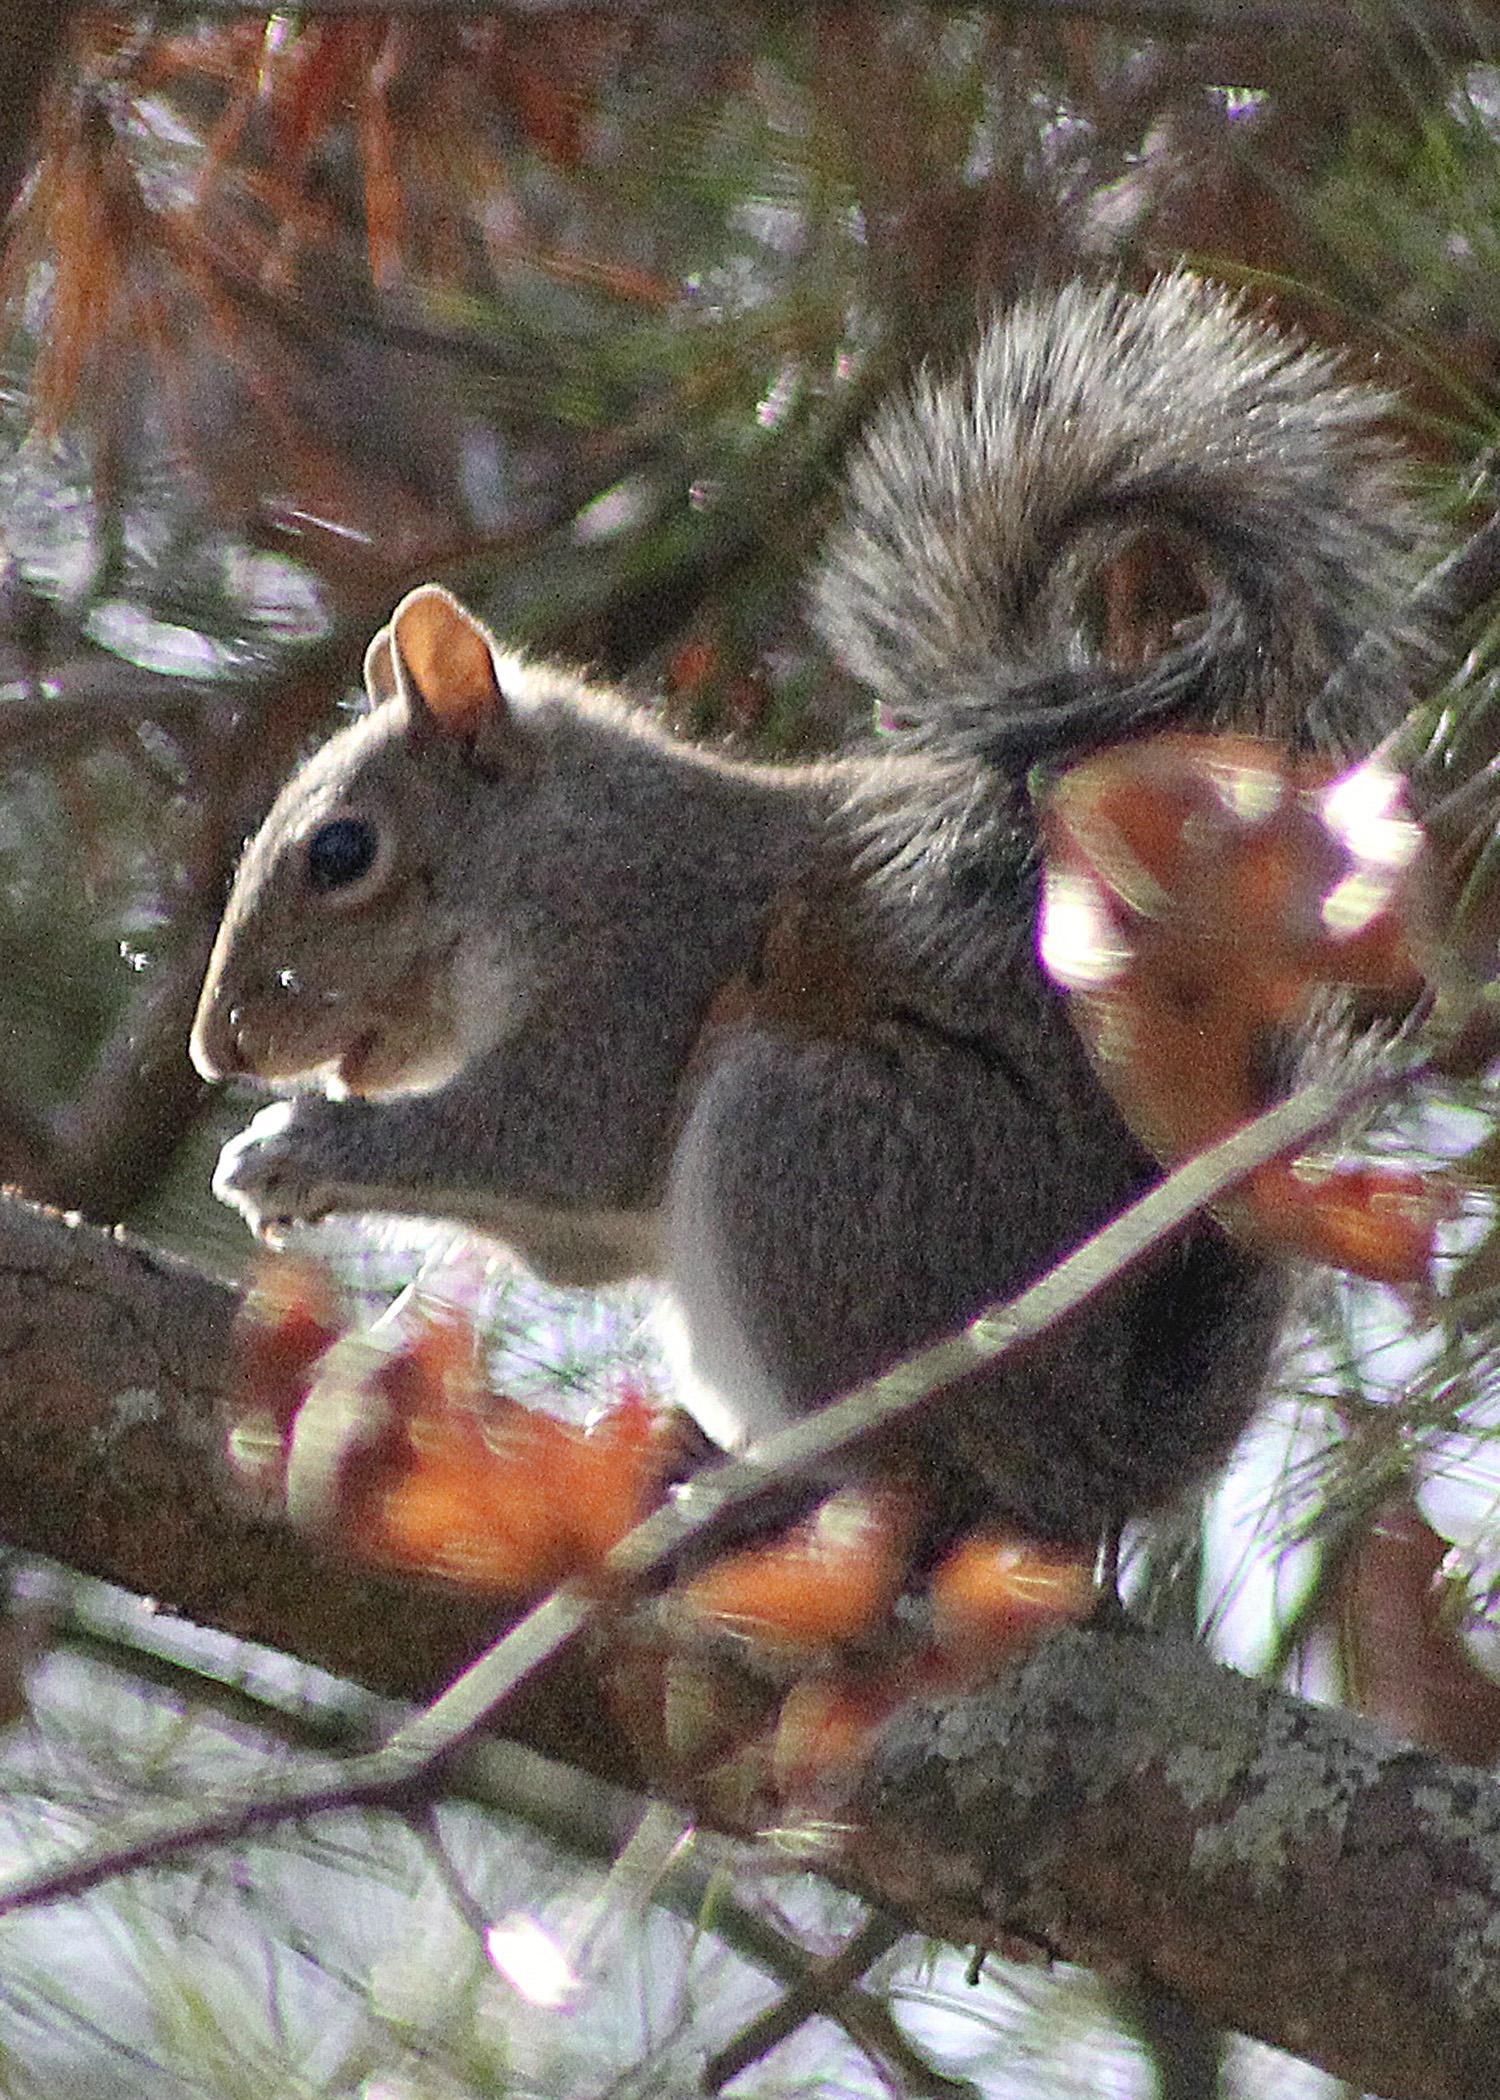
(215, 1045)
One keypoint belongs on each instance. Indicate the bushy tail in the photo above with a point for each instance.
(1128, 509)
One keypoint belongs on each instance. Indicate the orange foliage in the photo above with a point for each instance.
(396, 1447)
(403, 1452)
(996, 1595)
(830, 1579)
(1200, 892)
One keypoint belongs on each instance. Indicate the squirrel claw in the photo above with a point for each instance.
(260, 1175)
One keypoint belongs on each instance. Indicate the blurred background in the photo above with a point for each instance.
(579, 309)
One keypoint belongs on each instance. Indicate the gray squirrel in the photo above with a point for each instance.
(778, 1035)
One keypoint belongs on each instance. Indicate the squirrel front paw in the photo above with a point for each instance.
(268, 1177)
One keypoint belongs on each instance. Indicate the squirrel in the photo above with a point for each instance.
(778, 1034)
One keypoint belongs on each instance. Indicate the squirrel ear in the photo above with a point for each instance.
(440, 660)
(380, 669)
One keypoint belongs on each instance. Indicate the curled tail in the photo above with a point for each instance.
(1128, 510)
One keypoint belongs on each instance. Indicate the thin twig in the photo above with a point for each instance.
(583, 1814)
(411, 1763)
(818, 1992)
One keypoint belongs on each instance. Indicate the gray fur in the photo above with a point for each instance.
(822, 1192)
(946, 587)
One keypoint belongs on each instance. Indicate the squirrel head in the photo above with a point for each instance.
(348, 945)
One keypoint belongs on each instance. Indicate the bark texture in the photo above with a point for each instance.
(1130, 1804)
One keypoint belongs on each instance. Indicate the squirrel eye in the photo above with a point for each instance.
(340, 852)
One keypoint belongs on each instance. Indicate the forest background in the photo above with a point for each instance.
(579, 310)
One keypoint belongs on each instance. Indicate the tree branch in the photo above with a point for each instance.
(112, 1361)
(1286, 1868)
(1134, 1806)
